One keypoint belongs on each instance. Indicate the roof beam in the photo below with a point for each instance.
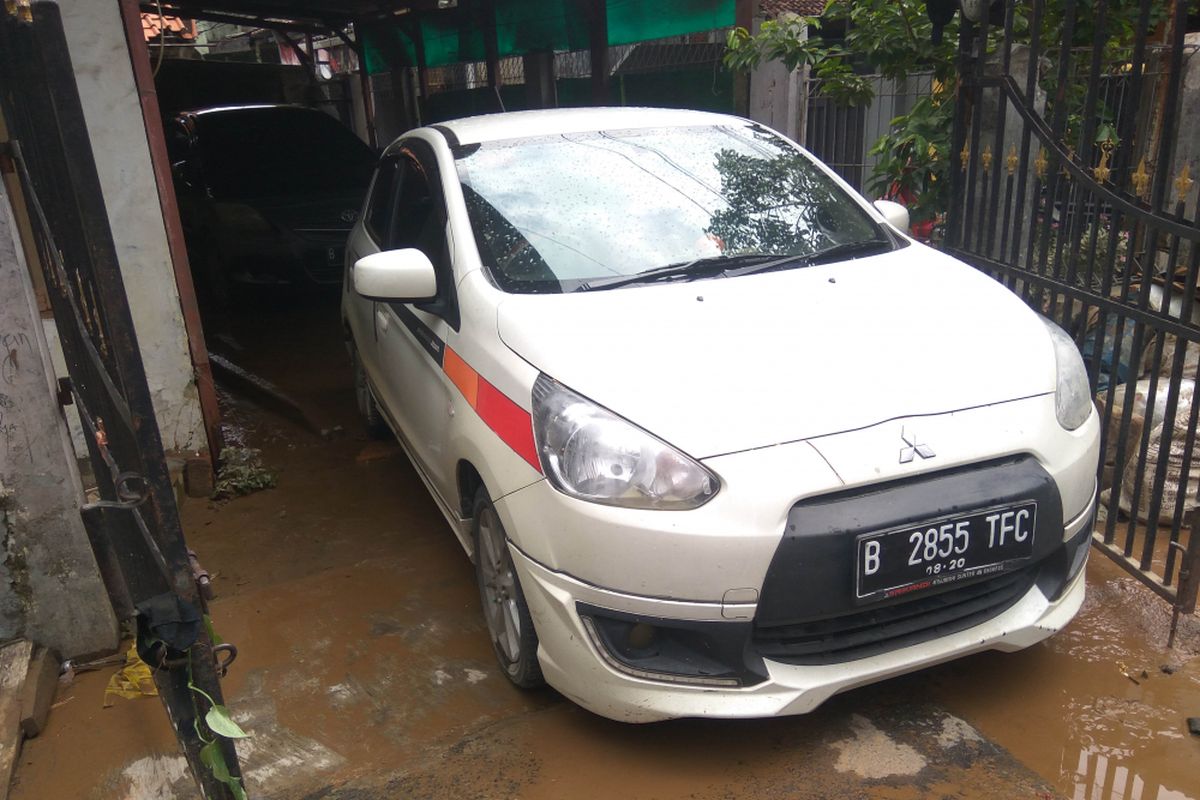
(198, 12)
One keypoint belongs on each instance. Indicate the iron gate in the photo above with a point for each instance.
(134, 523)
(1066, 187)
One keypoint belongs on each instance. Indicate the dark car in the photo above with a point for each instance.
(267, 194)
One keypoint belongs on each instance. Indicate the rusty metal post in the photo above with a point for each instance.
(59, 177)
(1189, 576)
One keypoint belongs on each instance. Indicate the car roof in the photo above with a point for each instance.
(518, 124)
(248, 107)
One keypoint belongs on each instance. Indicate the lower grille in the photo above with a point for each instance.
(875, 630)
(321, 268)
(324, 253)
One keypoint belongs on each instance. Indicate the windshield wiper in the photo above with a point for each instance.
(834, 253)
(727, 266)
(707, 267)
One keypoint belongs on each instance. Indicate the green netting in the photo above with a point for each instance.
(632, 21)
(702, 89)
(524, 26)
(528, 26)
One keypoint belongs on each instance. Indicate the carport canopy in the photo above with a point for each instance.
(430, 33)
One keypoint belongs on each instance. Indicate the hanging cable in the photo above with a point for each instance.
(162, 40)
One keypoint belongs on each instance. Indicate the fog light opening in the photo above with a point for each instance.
(643, 632)
(641, 636)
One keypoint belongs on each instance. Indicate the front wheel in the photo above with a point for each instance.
(367, 408)
(508, 622)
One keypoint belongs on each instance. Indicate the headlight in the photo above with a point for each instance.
(1072, 394)
(592, 454)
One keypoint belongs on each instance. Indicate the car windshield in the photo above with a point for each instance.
(269, 152)
(580, 210)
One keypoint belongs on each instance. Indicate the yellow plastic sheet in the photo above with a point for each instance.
(130, 681)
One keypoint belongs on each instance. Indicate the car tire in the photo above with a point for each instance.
(368, 409)
(509, 625)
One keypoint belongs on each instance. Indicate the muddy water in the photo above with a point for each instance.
(1091, 709)
(1065, 708)
(365, 671)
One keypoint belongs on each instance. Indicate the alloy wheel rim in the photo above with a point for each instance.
(499, 588)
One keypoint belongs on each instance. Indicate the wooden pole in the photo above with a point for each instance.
(744, 12)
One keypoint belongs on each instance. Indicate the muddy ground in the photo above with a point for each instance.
(364, 670)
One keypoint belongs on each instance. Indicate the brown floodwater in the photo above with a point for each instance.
(1065, 708)
(365, 671)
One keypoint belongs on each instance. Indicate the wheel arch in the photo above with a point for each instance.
(469, 482)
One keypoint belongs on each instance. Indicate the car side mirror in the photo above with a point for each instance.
(405, 276)
(894, 213)
(184, 173)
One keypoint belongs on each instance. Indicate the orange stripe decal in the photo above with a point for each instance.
(507, 420)
(462, 376)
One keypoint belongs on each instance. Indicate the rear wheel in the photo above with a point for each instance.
(504, 609)
(367, 408)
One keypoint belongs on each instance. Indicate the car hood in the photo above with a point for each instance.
(728, 364)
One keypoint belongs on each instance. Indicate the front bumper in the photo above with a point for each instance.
(581, 668)
(724, 563)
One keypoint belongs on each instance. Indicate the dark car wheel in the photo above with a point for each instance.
(508, 622)
(367, 408)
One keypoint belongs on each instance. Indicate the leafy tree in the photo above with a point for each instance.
(781, 205)
(894, 38)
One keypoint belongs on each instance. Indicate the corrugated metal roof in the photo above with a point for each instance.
(656, 57)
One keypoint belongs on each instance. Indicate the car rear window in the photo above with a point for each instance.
(280, 151)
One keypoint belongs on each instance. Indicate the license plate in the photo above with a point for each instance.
(917, 557)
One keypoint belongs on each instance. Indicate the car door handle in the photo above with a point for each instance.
(381, 317)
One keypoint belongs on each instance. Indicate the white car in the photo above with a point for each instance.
(721, 440)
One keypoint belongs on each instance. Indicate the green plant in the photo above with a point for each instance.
(241, 473)
(912, 156)
(220, 723)
(891, 38)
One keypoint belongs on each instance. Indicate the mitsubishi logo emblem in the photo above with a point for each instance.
(913, 447)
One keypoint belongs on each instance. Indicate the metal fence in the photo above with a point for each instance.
(1114, 776)
(1067, 189)
(842, 135)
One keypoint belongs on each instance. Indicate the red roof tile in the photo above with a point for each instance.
(154, 26)
(805, 8)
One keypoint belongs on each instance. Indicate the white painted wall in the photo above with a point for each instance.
(100, 57)
(50, 587)
(776, 97)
